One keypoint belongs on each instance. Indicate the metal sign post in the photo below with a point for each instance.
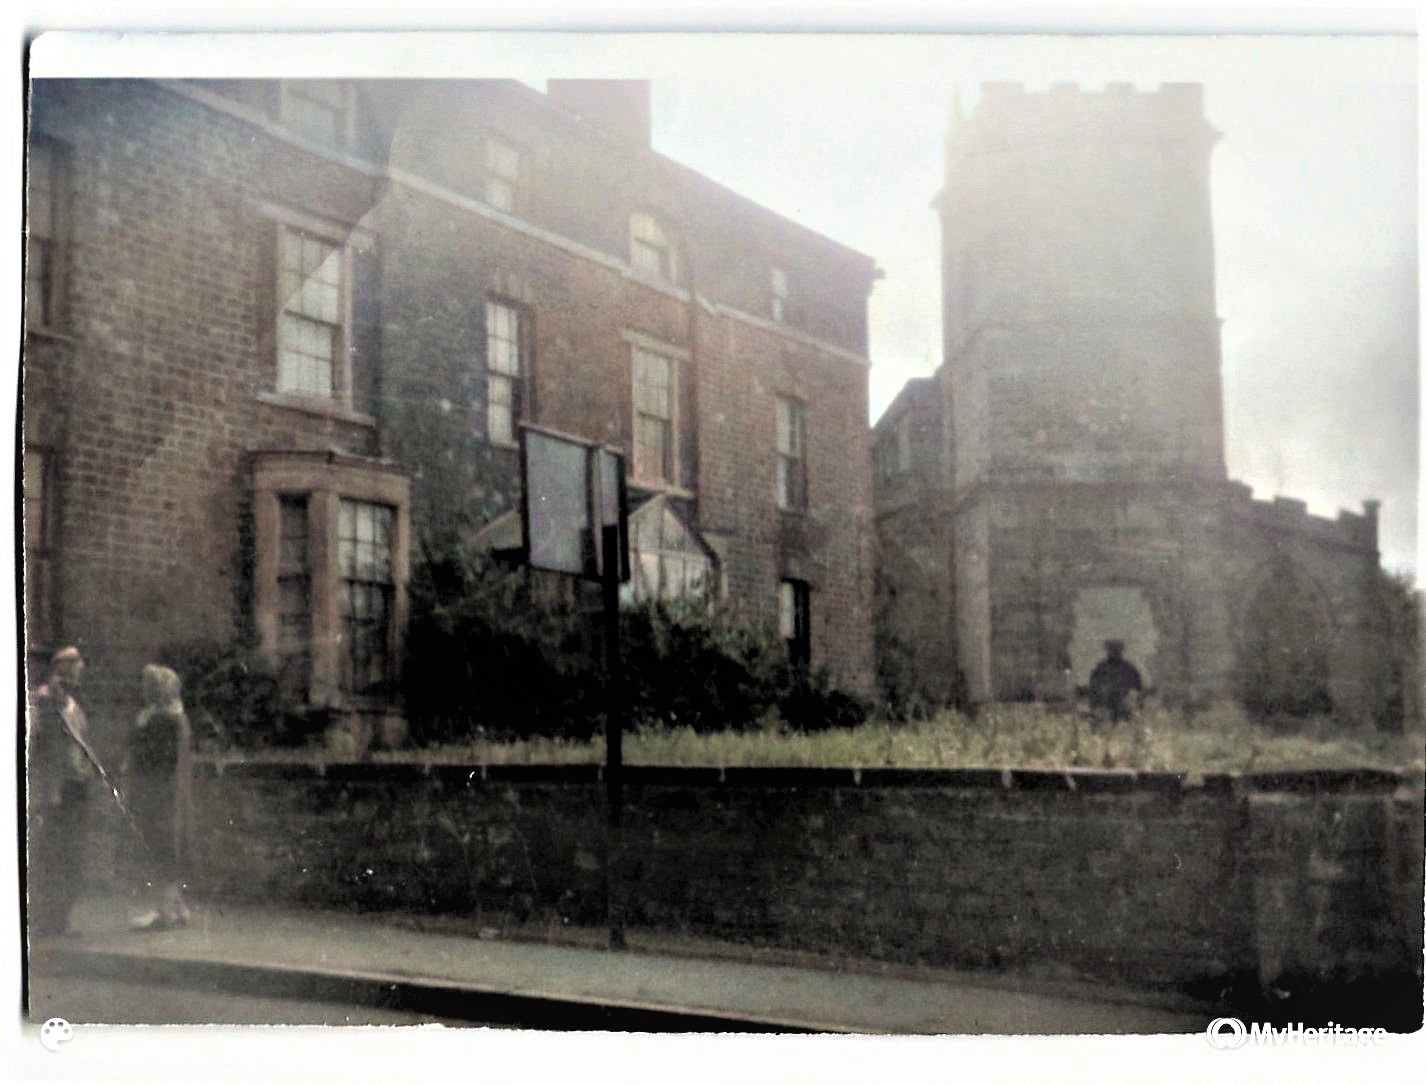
(574, 511)
(607, 486)
(613, 742)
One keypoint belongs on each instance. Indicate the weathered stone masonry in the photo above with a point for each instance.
(1073, 488)
(1294, 879)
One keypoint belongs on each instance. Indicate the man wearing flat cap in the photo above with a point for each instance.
(60, 774)
(1114, 684)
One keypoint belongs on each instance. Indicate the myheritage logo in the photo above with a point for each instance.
(1226, 1033)
(1229, 1033)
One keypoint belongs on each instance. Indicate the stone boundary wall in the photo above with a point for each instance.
(1163, 879)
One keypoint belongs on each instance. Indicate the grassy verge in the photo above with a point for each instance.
(1030, 736)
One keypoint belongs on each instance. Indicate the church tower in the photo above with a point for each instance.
(1081, 331)
(1081, 377)
(1061, 482)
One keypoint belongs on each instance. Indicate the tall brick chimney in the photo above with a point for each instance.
(620, 106)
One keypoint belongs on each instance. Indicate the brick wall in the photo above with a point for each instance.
(149, 391)
(1296, 880)
(158, 380)
(581, 312)
(826, 544)
(583, 187)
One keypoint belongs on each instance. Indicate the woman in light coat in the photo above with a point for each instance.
(160, 791)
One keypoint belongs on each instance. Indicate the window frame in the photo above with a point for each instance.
(780, 294)
(521, 384)
(373, 586)
(885, 456)
(641, 476)
(893, 448)
(345, 241)
(53, 279)
(665, 246)
(790, 472)
(345, 136)
(517, 184)
(646, 549)
(39, 599)
(298, 574)
(794, 609)
(326, 479)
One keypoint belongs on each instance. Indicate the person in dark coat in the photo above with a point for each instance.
(159, 788)
(1114, 684)
(61, 774)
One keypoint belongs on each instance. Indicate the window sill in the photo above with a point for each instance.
(654, 486)
(318, 407)
(656, 282)
(514, 214)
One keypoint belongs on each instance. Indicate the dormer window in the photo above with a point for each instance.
(320, 109)
(502, 175)
(652, 249)
(779, 295)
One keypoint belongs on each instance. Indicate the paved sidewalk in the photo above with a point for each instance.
(343, 957)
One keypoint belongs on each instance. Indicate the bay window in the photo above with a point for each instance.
(332, 552)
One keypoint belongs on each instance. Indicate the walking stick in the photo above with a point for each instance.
(113, 788)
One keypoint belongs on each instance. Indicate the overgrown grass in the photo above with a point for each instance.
(1017, 735)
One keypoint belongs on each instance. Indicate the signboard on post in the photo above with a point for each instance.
(575, 512)
(573, 491)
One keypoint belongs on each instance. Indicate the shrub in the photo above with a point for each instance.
(499, 652)
(809, 702)
(486, 656)
(232, 697)
(687, 667)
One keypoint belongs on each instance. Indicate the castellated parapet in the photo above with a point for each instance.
(1348, 530)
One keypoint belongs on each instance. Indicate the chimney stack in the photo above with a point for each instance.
(1372, 512)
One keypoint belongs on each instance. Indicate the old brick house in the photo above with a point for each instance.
(1060, 481)
(276, 331)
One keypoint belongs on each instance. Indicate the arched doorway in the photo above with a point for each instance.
(1108, 612)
